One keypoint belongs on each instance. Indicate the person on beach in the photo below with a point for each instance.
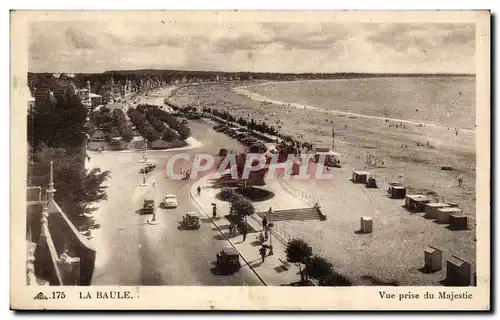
(198, 190)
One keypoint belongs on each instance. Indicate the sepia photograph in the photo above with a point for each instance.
(239, 151)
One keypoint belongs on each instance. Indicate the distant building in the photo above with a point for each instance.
(89, 99)
(53, 87)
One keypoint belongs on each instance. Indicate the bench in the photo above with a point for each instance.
(285, 263)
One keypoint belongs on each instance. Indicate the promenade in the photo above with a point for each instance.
(273, 271)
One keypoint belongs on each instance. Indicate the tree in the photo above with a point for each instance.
(58, 123)
(318, 268)
(57, 132)
(226, 193)
(121, 124)
(76, 188)
(241, 206)
(169, 135)
(298, 251)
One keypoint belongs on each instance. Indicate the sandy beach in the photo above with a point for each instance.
(412, 154)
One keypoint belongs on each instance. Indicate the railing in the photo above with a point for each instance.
(53, 253)
(304, 196)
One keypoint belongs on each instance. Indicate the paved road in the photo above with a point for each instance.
(133, 252)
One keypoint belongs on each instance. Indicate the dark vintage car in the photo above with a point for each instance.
(229, 259)
(191, 220)
(148, 168)
(148, 206)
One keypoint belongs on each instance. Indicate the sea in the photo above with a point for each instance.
(448, 101)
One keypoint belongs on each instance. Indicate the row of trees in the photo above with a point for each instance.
(154, 112)
(262, 127)
(142, 125)
(119, 121)
(154, 123)
(316, 267)
(114, 124)
(57, 132)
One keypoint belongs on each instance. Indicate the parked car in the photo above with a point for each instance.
(148, 206)
(148, 168)
(170, 201)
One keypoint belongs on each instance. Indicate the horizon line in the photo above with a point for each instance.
(266, 72)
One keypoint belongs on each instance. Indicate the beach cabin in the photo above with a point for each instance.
(443, 214)
(397, 192)
(432, 208)
(458, 272)
(360, 176)
(452, 204)
(331, 159)
(458, 222)
(416, 202)
(433, 259)
(366, 225)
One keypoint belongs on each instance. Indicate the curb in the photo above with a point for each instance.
(228, 240)
(149, 150)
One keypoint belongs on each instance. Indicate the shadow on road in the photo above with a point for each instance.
(141, 212)
(218, 271)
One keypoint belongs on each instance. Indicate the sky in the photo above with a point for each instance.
(98, 46)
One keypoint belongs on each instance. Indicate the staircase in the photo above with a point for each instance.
(302, 214)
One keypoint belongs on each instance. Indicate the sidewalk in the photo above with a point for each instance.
(272, 272)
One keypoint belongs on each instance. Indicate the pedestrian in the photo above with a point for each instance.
(199, 190)
(264, 223)
(214, 211)
(460, 182)
(262, 252)
(244, 232)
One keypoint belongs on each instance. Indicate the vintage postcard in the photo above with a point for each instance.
(250, 160)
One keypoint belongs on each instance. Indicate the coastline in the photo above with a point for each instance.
(243, 91)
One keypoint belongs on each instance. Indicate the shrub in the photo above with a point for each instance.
(226, 193)
(298, 251)
(318, 268)
(241, 206)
